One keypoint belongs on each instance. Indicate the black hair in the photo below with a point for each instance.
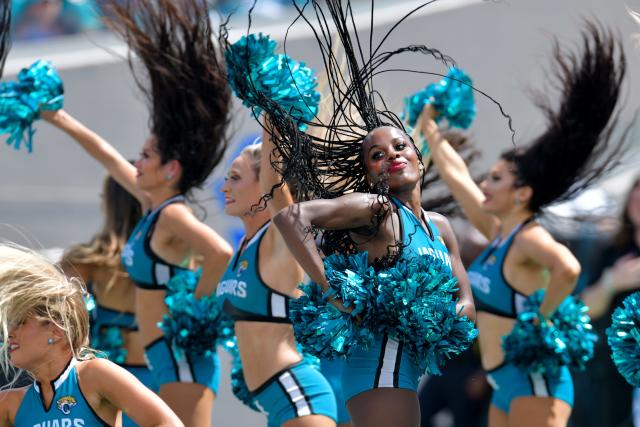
(326, 161)
(5, 32)
(576, 148)
(186, 85)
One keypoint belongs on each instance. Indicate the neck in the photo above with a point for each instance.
(253, 222)
(411, 199)
(160, 195)
(512, 220)
(52, 368)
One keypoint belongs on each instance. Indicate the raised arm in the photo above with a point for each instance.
(295, 223)
(455, 173)
(269, 177)
(115, 164)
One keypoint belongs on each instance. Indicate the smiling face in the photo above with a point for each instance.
(241, 187)
(28, 343)
(500, 191)
(388, 151)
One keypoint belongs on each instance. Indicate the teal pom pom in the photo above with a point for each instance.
(322, 329)
(624, 339)
(545, 347)
(194, 325)
(257, 75)
(414, 302)
(110, 342)
(38, 88)
(417, 301)
(452, 98)
(89, 303)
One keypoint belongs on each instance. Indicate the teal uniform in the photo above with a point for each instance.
(147, 270)
(297, 390)
(386, 364)
(493, 294)
(68, 408)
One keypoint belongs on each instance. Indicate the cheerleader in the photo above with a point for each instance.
(256, 288)
(189, 101)
(523, 257)
(46, 329)
(113, 324)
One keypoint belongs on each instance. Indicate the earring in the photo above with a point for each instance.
(168, 176)
(51, 341)
(517, 201)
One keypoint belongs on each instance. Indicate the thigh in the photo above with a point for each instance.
(192, 403)
(538, 412)
(310, 421)
(497, 417)
(385, 407)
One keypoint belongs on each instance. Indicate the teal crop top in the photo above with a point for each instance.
(146, 269)
(245, 296)
(491, 290)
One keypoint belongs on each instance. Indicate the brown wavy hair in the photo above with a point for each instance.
(121, 212)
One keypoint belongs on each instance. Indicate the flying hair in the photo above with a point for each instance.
(577, 147)
(184, 81)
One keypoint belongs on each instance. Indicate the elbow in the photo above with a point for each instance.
(283, 217)
(468, 309)
(568, 274)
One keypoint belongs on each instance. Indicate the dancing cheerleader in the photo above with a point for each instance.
(46, 329)
(113, 324)
(362, 179)
(256, 288)
(189, 100)
(523, 257)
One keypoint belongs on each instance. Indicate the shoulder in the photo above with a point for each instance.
(533, 235)
(10, 401)
(175, 211)
(441, 222)
(95, 370)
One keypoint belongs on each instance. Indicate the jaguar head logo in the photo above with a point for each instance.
(244, 264)
(66, 403)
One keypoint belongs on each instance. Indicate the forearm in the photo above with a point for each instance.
(213, 267)
(295, 229)
(467, 308)
(598, 298)
(450, 164)
(92, 143)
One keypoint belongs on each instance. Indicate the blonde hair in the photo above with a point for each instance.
(32, 287)
(254, 153)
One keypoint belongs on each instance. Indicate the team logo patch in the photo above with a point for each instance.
(66, 403)
(244, 264)
(492, 260)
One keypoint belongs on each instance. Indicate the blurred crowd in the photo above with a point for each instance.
(42, 19)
